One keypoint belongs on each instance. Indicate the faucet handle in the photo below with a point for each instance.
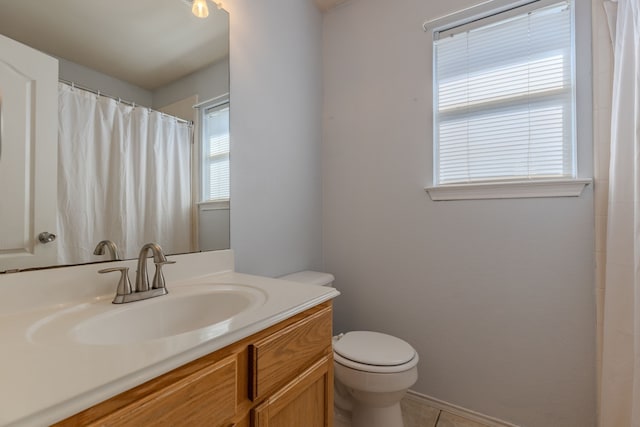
(124, 284)
(158, 277)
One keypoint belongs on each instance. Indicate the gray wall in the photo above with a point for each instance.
(96, 80)
(276, 98)
(207, 83)
(213, 232)
(497, 296)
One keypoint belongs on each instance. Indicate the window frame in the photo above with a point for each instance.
(203, 156)
(523, 188)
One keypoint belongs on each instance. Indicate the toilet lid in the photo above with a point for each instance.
(373, 348)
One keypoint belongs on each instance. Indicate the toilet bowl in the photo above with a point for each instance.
(372, 371)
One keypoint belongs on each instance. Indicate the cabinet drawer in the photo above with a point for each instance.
(206, 397)
(283, 355)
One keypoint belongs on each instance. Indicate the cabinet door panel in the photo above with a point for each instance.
(306, 401)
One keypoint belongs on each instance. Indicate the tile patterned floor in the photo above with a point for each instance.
(417, 415)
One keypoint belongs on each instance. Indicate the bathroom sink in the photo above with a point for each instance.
(209, 309)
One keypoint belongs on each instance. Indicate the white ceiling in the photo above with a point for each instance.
(145, 42)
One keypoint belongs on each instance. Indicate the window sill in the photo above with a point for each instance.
(509, 190)
(213, 205)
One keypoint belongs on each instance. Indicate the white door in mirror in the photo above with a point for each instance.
(28, 155)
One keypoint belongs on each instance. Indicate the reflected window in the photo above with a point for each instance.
(215, 153)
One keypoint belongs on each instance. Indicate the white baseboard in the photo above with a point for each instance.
(456, 410)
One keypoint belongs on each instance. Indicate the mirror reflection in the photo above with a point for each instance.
(141, 131)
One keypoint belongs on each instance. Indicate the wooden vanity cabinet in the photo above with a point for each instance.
(279, 377)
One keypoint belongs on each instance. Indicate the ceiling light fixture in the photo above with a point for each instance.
(200, 8)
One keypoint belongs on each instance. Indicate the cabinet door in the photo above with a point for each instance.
(28, 155)
(306, 401)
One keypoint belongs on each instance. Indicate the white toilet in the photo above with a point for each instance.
(372, 371)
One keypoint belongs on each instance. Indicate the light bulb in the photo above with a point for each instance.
(200, 8)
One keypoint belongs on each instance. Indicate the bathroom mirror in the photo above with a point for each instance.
(150, 53)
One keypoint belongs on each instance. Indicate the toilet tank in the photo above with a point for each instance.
(310, 278)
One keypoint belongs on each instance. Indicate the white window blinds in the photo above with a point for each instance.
(504, 97)
(215, 154)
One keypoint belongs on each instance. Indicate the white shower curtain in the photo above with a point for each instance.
(123, 175)
(620, 385)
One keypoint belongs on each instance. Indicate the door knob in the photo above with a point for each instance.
(46, 237)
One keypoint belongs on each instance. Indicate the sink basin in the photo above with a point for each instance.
(209, 309)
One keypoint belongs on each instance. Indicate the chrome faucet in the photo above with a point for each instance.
(142, 278)
(142, 290)
(114, 254)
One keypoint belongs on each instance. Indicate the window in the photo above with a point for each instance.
(215, 153)
(504, 97)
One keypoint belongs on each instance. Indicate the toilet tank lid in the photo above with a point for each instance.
(310, 278)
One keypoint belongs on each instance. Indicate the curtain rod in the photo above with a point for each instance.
(130, 103)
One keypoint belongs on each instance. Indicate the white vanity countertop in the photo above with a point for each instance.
(44, 380)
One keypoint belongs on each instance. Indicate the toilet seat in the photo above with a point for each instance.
(373, 368)
(373, 352)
